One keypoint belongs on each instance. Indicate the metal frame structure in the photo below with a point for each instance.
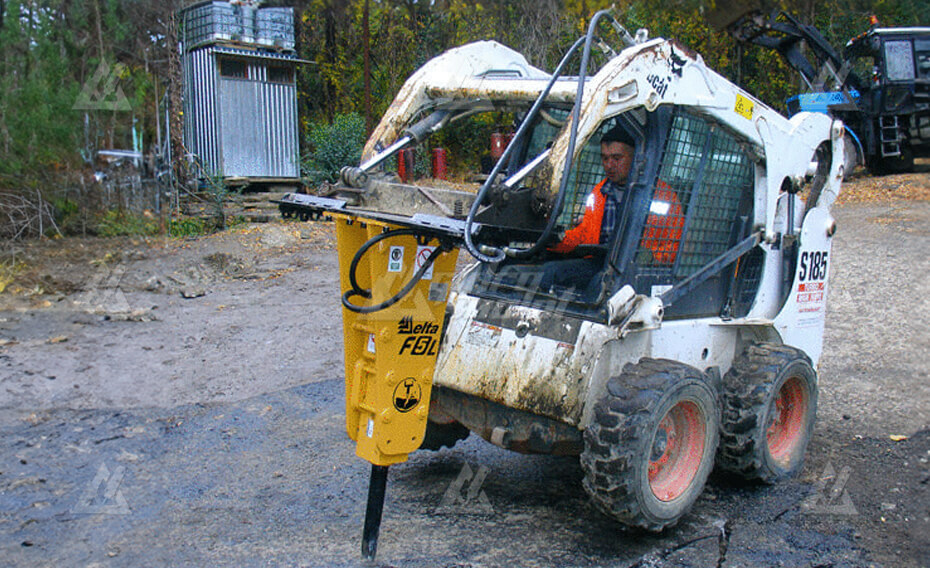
(240, 91)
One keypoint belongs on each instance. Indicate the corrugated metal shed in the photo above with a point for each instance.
(240, 101)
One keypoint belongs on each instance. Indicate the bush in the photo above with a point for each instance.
(468, 141)
(116, 223)
(187, 227)
(332, 146)
(218, 193)
(68, 216)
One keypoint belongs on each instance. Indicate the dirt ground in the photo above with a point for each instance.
(180, 402)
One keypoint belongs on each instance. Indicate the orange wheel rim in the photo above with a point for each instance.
(677, 450)
(786, 427)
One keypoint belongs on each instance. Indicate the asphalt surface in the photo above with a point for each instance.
(268, 477)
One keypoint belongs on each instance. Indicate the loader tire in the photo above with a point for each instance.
(651, 443)
(439, 435)
(769, 406)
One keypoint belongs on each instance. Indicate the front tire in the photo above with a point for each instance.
(770, 403)
(651, 445)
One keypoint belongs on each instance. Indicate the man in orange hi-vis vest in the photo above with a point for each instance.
(601, 214)
(602, 207)
(600, 220)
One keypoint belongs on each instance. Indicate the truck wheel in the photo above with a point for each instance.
(439, 435)
(651, 444)
(769, 405)
(895, 164)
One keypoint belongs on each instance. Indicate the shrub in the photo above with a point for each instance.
(115, 223)
(332, 146)
(187, 227)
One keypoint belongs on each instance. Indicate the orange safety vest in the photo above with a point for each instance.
(588, 231)
(663, 230)
(662, 234)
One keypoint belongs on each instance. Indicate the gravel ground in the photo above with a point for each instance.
(141, 427)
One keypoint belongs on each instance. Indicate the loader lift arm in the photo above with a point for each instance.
(785, 34)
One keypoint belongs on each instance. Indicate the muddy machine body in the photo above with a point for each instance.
(695, 344)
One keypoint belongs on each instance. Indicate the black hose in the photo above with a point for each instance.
(499, 254)
(357, 290)
(479, 199)
(569, 155)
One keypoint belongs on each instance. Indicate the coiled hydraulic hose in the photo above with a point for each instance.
(497, 254)
(569, 155)
(357, 290)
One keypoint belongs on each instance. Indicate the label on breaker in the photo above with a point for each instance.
(422, 255)
(396, 259)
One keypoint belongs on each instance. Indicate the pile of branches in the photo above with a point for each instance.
(23, 216)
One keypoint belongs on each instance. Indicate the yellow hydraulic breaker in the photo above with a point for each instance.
(396, 282)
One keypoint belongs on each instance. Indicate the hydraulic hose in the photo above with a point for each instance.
(357, 290)
(498, 254)
(569, 156)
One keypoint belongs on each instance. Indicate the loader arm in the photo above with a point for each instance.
(785, 34)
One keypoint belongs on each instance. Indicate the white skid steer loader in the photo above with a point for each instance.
(694, 337)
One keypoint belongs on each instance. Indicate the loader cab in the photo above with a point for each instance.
(688, 199)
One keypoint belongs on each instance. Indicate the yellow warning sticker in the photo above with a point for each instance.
(744, 107)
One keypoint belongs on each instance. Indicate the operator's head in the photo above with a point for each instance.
(617, 154)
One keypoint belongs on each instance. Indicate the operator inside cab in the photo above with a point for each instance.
(601, 215)
(602, 207)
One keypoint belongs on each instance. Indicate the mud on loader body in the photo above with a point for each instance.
(694, 345)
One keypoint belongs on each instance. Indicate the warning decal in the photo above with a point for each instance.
(396, 260)
(744, 107)
(810, 296)
(423, 254)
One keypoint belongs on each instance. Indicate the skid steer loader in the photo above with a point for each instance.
(695, 344)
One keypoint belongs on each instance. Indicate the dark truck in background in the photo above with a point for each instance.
(893, 119)
(879, 87)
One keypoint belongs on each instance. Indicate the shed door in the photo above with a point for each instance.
(241, 119)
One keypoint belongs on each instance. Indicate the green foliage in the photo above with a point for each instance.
(183, 227)
(68, 215)
(218, 193)
(187, 227)
(116, 223)
(422, 162)
(52, 48)
(469, 140)
(37, 131)
(334, 145)
(64, 208)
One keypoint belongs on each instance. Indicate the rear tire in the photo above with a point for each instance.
(651, 444)
(895, 164)
(770, 402)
